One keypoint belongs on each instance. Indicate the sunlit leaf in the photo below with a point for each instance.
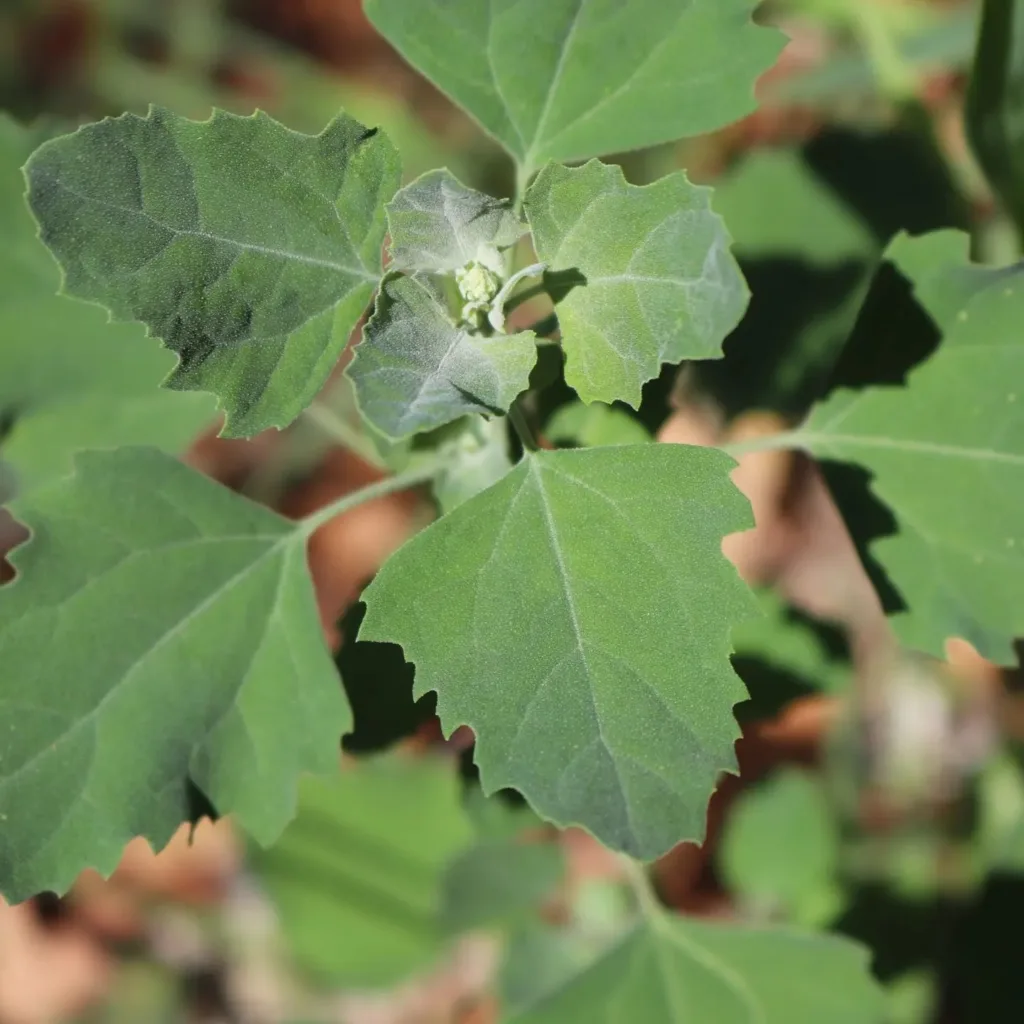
(570, 79)
(576, 615)
(161, 629)
(641, 275)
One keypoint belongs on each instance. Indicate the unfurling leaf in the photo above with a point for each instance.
(570, 79)
(416, 370)
(646, 271)
(437, 224)
(249, 249)
(110, 704)
(579, 616)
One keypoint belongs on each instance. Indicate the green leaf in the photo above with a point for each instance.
(436, 224)
(249, 249)
(670, 970)
(68, 378)
(415, 370)
(160, 629)
(499, 883)
(579, 619)
(476, 458)
(995, 101)
(570, 79)
(644, 275)
(946, 455)
(780, 849)
(786, 643)
(357, 876)
(591, 426)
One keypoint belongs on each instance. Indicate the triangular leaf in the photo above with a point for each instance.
(576, 615)
(249, 249)
(160, 629)
(672, 970)
(68, 378)
(947, 457)
(357, 877)
(415, 370)
(647, 273)
(569, 79)
(438, 224)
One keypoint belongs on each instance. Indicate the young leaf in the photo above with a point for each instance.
(478, 457)
(415, 370)
(946, 455)
(161, 629)
(570, 79)
(357, 877)
(648, 276)
(576, 615)
(249, 249)
(674, 969)
(68, 378)
(438, 224)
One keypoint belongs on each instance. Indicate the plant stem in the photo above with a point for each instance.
(344, 433)
(773, 442)
(525, 295)
(639, 879)
(400, 482)
(518, 420)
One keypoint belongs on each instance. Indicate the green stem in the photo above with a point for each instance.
(788, 439)
(338, 429)
(639, 879)
(518, 420)
(525, 295)
(420, 474)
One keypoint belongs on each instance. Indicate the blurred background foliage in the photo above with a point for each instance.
(400, 893)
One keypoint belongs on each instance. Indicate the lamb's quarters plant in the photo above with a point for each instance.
(574, 606)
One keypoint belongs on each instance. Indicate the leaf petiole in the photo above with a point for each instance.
(420, 474)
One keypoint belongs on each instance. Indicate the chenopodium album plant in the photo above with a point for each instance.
(573, 607)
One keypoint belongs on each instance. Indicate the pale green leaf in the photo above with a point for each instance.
(946, 455)
(249, 249)
(68, 378)
(647, 273)
(780, 847)
(570, 79)
(576, 616)
(160, 629)
(438, 224)
(590, 426)
(415, 370)
(671, 970)
(357, 877)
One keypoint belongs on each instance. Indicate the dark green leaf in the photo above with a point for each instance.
(249, 249)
